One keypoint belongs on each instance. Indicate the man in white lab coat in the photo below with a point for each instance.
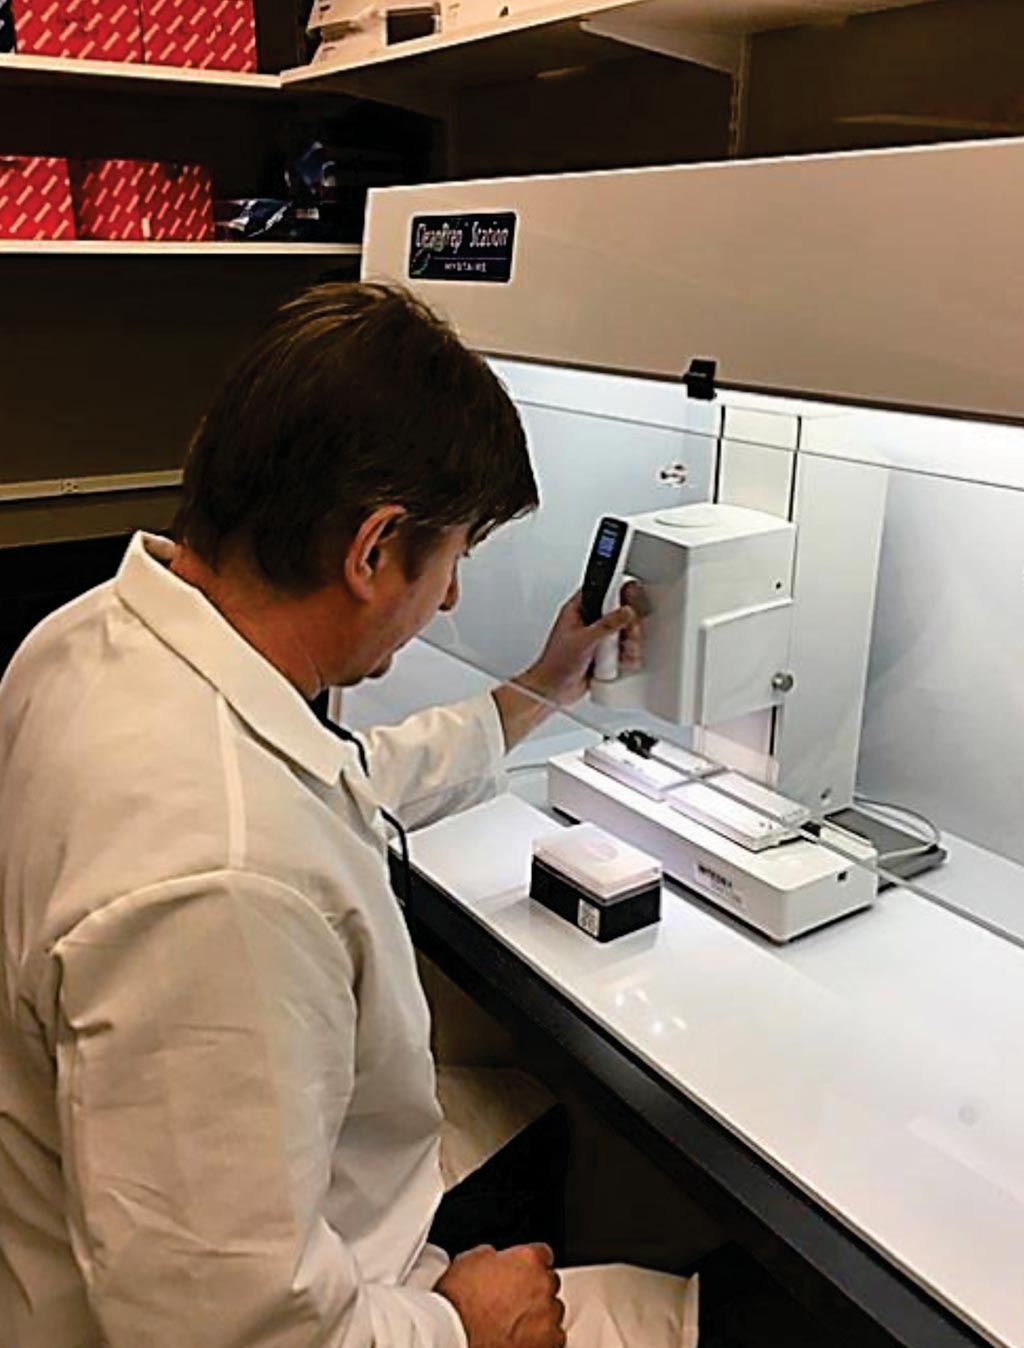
(218, 1121)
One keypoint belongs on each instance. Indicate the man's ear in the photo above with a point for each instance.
(370, 548)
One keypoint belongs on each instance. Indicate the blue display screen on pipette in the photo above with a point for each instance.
(601, 564)
(607, 542)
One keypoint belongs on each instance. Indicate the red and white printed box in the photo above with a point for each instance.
(139, 199)
(95, 30)
(35, 199)
(211, 34)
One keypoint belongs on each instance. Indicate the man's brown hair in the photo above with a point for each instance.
(355, 396)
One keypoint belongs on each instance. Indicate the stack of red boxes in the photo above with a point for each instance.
(117, 199)
(97, 30)
(210, 34)
(137, 199)
(35, 198)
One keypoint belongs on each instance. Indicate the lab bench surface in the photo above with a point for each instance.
(848, 1103)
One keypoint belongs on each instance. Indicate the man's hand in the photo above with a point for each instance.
(506, 1298)
(561, 674)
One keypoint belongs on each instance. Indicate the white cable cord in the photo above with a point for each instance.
(887, 812)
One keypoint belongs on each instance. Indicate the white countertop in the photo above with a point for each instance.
(878, 1063)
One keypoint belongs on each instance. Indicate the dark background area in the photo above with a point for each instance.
(36, 580)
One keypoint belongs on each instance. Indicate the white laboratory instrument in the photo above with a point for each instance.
(718, 580)
(782, 890)
(724, 596)
(813, 281)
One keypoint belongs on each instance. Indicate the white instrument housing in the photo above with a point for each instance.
(782, 892)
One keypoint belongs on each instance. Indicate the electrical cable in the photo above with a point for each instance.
(888, 812)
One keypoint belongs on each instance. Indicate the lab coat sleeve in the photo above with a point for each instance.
(438, 761)
(205, 1056)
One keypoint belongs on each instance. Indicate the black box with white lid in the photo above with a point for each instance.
(595, 881)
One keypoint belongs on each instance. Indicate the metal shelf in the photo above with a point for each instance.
(422, 74)
(97, 484)
(145, 248)
(27, 71)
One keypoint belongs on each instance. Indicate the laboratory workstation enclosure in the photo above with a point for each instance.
(784, 397)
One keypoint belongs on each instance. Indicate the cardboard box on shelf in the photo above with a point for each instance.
(125, 199)
(352, 28)
(377, 29)
(337, 21)
(472, 13)
(96, 30)
(351, 43)
(210, 34)
(35, 198)
(339, 13)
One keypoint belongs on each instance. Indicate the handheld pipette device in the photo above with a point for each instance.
(600, 592)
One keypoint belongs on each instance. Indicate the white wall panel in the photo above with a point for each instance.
(888, 276)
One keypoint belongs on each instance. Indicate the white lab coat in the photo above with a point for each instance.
(218, 1118)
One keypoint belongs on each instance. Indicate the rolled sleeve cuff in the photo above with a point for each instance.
(495, 746)
(492, 747)
(409, 1317)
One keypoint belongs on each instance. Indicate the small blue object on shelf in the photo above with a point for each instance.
(259, 218)
(327, 185)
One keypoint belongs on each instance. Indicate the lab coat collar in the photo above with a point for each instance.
(183, 618)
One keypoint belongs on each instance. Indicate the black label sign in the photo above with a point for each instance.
(462, 247)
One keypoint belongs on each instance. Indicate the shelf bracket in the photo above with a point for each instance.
(718, 51)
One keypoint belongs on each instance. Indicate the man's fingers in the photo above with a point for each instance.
(573, 607)
(477, 1249)
(634, 594)
(631, 654)
(543, 1253)
(616, 621)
